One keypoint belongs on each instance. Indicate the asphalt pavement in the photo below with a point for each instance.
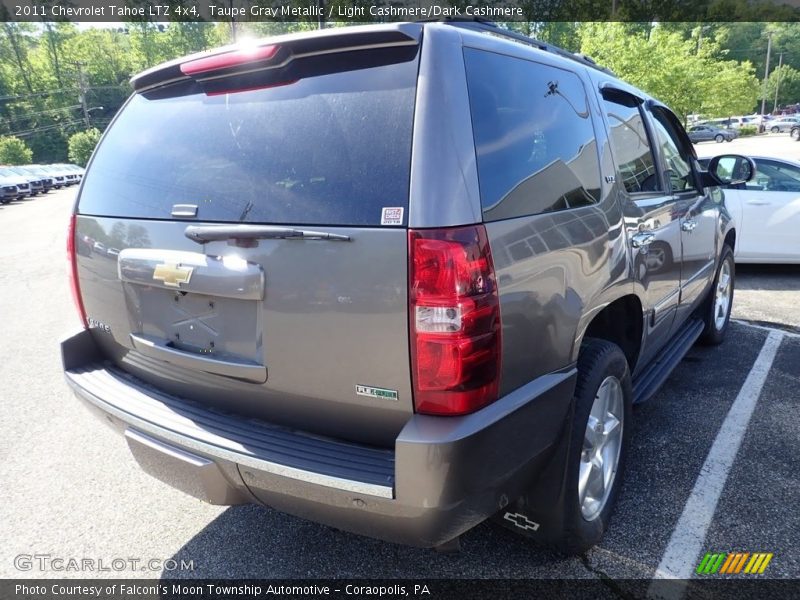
(70, 489)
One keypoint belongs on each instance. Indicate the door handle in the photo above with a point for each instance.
(757, 203)
(688, 225)
(642, 241)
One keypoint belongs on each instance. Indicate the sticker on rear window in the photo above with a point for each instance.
(373, 392)
(392, 215)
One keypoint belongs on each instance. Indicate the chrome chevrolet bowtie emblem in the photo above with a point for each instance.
(172, 275)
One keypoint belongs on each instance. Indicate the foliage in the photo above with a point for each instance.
(13, 151)
(747, 130)
(82, 144)
(786, 81)
(663, 63)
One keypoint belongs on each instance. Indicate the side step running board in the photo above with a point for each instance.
(651, 379)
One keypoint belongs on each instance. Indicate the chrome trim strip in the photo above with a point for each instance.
(663, 303)
(701, 273)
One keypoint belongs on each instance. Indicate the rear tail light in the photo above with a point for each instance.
(73, 272)
(454, 314)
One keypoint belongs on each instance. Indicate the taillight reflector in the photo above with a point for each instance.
(228, 60)
(454, 313)
(72, 270)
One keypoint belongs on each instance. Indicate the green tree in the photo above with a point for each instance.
(786, 80)
(685, 75)
(13, 151)
(81, 145)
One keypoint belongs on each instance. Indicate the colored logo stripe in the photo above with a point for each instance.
(736, 564)
(732, 563)
(710, 563)
(758, 563)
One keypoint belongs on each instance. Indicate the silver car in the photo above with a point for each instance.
(783, 124)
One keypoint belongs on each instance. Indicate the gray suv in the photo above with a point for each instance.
(397, 279)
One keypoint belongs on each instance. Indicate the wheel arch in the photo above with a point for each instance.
(730, 239)
(620, 321)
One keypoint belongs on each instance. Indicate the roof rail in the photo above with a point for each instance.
(483, 25)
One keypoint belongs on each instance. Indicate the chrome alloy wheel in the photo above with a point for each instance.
(722, 297)
(602, 443)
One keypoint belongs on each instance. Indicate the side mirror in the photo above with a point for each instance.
(729, 169)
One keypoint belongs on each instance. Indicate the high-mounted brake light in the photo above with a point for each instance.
(72, 270)
(228, 59)
(454, 314)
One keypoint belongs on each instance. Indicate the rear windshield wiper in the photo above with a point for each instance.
(214, 233)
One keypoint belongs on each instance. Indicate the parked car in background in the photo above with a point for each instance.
(63, 175)
(74, 170)
(783, 124)
(36, 183)
(8, 191)
(58, 178)
(729, 122)
(707, 133)
(738, 122)
(23, 182)
(40, 181)
(766, 211)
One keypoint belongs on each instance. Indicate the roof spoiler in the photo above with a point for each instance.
(276, 52)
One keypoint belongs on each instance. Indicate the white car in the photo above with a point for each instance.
(766, 211)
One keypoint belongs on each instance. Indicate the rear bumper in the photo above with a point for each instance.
(443, 477)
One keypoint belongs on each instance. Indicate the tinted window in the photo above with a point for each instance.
(635, 160)
(534, 139)
(332, 150)
(676, 158)
(772, 176)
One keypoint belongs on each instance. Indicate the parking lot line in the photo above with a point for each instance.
(688, 537)
(766, 328)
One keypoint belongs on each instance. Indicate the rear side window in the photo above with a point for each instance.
(632, 149)
(328, 150)
(534, 139)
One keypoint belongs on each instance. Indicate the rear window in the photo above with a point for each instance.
(534, 139)
(328, 150)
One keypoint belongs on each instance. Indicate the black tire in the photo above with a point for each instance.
(598, 360)
(795, 134)
(714, 331)
(719, 138)
(775, 130)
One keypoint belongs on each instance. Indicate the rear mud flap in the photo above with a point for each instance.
(539, 512)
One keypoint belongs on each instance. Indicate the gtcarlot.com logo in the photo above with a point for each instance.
(734, 563)
(50, 562)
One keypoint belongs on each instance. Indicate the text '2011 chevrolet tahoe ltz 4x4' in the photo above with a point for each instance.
(397, 279)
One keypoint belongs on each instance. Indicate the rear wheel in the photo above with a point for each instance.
(598, 447)
(719, 138)
(795, 134)
(775, 129)
(720, 300)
